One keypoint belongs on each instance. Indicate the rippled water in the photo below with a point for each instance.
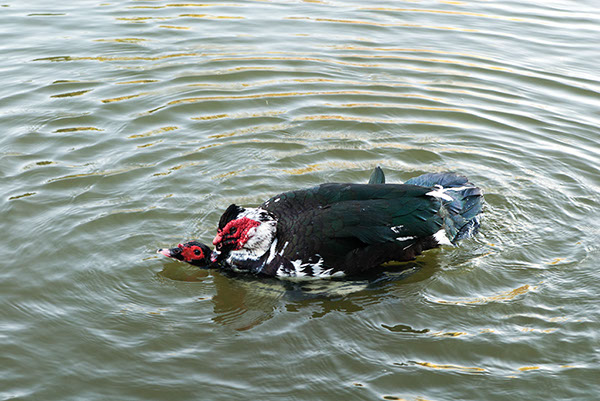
(129, 126)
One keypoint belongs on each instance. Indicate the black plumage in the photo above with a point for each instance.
(351, 228)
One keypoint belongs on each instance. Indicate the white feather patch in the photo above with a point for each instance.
(404, 238)
(397, 229)
(260, 238)
(300, 274)
(440, 192)
(317, 268)
(272, 252)
(442, 238)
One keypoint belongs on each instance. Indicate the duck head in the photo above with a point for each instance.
(193, 252)
(243, 234)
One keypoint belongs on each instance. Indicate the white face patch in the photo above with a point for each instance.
(260, 238)
(256, 214)
(241, 255)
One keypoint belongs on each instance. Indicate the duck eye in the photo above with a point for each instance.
(233, 230)
(197, 252)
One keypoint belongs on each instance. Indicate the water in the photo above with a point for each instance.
(130, 126)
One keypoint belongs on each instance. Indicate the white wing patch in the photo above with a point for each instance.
(405, 238)
(397, 229)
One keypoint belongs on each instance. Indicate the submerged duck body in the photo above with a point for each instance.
(340, 229)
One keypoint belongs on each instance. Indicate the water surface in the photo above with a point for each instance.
(130, 126)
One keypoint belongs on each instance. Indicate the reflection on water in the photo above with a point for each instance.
(242, 302)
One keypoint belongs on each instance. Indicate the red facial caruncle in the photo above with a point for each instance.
(235, 231)
(190, 253)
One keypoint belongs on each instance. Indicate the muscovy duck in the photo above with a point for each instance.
(199, 254)
(342, 229)
(336, 229)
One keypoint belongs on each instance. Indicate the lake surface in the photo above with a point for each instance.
(130, 126)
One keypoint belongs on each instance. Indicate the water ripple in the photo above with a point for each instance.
(128, 126)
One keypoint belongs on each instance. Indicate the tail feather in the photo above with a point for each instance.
(377, 176)
(461, 202)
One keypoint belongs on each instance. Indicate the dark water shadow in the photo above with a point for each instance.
(242, 302)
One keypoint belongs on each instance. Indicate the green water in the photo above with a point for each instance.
(129, 126)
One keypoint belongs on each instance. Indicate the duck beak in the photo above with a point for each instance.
(214, 256)
(174, 253)
(165, 252)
